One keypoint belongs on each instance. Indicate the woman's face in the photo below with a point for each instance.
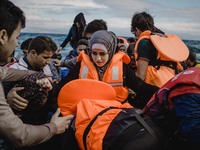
(100, 57)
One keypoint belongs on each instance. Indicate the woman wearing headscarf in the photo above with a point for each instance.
(103, 62)
(75, 32)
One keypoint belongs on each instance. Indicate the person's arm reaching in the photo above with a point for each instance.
(64, 43)
(11, 126)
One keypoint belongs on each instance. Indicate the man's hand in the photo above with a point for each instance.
(15, 101)
(62, 123)
(58, 50)
(57, 62)
(45, 83)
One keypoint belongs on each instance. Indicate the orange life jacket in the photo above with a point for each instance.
(76, 90)
(87, 109)
(113, 74)
(86, 98)
(100, 121)
(169, 46)
(171, 50)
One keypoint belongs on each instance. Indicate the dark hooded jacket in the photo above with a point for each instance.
(74, 34)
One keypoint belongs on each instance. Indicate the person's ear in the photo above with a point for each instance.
(138, 30)
(3, 36)
(33, 52)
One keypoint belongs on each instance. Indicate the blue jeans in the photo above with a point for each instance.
(187, 109)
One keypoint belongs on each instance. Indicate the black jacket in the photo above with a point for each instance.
(72, 36)
(75, 34)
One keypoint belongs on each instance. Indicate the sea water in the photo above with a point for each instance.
(193, 45)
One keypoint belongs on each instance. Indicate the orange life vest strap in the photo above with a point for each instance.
(87, 129)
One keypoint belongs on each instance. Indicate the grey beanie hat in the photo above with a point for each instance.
(106, 38)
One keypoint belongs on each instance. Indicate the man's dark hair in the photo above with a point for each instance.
(25, 43)
(41, 44)
(95, 25)
(10, 17)
(131, 40)
(142, 21)
(83, 42)
(192, 57)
